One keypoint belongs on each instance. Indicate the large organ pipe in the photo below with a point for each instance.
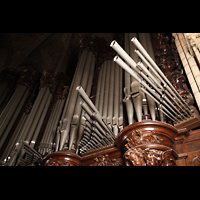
(120, 119)
(44, 103)
(138, 95)
(8, 111)
(129, 106)
(89, 68)
(14, 117)
(137, 100)
(116, 93)
(82, 119)
(111, 93)
(151, 103)
(72, 96)
(106, 91)
(101, 96)
(40, 120)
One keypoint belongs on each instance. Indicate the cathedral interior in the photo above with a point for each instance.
(99, 99)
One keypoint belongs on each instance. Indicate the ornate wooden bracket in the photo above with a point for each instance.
(148, 143)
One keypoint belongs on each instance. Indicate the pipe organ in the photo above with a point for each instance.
(128, 104)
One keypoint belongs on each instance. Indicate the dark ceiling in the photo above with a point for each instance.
(42, 51)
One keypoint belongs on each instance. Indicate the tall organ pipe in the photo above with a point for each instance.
(69, 108)
(77, 111)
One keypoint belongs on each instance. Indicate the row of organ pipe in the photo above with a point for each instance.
(66, 126)
(108, 101)
(138, 105)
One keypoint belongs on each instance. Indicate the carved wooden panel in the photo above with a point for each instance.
(191, 146)
(108, 157)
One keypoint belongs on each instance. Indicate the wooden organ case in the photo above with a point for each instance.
(109, 118)
(144, 136)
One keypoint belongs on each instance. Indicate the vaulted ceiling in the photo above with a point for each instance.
(41, 51)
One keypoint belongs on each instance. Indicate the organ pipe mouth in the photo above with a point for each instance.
(112, 43)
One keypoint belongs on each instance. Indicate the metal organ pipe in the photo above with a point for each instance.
(173, 91)
(151, 103)
(159, 94)
(89, 68)
(69, 108)
(14, 114)
(83, 76)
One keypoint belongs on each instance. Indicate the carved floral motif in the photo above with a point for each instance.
(104, 160)
(138, 138)
(136, 156)
(148, 157)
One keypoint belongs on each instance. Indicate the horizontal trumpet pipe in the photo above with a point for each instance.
(158, 84)
(146, 92)
(140, 47)
(132, 73)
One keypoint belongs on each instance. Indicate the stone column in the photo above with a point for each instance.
(189, 64)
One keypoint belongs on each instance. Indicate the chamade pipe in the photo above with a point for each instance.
(131, 72)
(140, 47)
(132, 63)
